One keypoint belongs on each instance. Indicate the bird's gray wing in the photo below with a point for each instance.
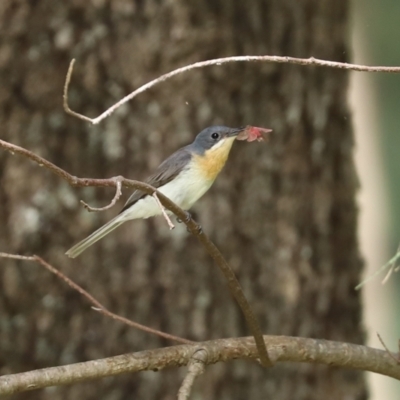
(166, 171)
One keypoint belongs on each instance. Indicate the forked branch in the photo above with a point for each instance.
(218, 61)
(193, 227)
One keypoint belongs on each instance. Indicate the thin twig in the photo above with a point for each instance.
(388, 274)
(389, 264)
(169, 222)
(219, 61)
(16, 257)
(196, 367)
(65, 94)
(97, 305)
(193, 227)
(397, 359)
(234, 287)
(118, 194)
(393, 268)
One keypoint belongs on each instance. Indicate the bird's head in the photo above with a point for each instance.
(211, 149)
(215, 137)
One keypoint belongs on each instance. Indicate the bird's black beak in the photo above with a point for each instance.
(235, 131)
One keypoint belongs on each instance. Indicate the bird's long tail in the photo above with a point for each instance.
(95, 236)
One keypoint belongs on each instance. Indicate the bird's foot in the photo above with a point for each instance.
(187, 219)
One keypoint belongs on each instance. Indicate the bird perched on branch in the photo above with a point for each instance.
(183, 177)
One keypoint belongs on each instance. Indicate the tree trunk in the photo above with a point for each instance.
(283, 214)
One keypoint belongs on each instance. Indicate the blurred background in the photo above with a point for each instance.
(375, 100)
(287, 221)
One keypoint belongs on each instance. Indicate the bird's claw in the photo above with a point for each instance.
(187, 219)
(188, 216)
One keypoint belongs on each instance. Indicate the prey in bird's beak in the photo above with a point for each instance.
(252, 133)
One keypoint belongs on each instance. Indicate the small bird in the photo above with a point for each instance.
(183, 177)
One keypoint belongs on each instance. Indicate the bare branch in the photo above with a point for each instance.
(65, 94)
(193, 227)
(16, 257)
(219, 61)
(118, 194)
(234, 287)
(393, 268)
(196, 367)
(169, 222)
(97, 305)
(389, 274)
(280, 348)
(395, 358)
(13, 149)
(389, 265)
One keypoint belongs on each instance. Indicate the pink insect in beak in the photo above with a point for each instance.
(252, 133)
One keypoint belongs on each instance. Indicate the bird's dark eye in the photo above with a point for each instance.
(215, 135)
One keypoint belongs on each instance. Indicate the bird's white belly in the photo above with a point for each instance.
(184, 190)
(187, 188)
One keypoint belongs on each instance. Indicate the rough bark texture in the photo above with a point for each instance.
(283, 214)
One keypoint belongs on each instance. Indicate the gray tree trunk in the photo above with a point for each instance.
(283, 214)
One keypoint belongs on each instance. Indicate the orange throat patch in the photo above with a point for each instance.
(213, 160)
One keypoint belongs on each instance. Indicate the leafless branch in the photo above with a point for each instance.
(389, 273)
(219, 61)
(169, 222)
(389, 265)
(395, 358)
(118, 194)
(280, 348)
(97, 305)
(196, 367)
(193, 227)
(16, 257)
(392, 268)
(65, 94)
